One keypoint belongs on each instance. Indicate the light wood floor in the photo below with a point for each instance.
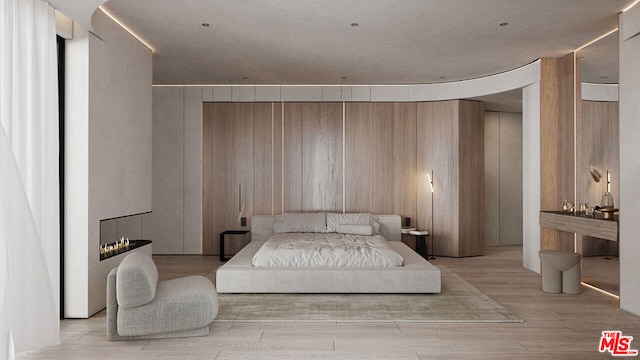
(556, 326)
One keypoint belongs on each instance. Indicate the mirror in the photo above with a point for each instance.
(599, 61)
(597, 144)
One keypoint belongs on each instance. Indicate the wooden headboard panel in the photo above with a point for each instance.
(261, 226)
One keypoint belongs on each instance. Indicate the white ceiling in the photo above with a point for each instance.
(395, 42)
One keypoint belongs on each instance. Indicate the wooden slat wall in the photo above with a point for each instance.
(289, 157)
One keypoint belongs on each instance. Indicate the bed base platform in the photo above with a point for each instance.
(238, 275)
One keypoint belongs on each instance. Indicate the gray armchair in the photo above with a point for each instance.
(140, 307)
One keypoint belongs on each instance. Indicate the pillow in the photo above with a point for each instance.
(355, 229)
(300, 222)
(136, 280)
(335, 219)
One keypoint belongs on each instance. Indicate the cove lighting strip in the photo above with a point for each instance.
(630, 6)
(600, 290)
(125, 27)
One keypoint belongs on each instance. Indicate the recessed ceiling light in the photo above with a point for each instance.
(205, 25)
(354, 24)
(504, 24)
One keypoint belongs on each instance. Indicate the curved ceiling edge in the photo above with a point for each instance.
(487, 85)
(79, 11)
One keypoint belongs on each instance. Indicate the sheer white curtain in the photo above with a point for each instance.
(29, 192)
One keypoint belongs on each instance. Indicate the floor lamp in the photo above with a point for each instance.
(430, 178)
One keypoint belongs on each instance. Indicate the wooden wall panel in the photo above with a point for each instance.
(383, 139)
(444, 157)
(359, 157)
(228, 130)
(292, 157)
(380, 159)
(557, 86)
(289, 157)
(321, 156)
(263, 156)
(404, 164)
(424, 165)
(241, 167)
(471, 186)
(278, 156)
(453, 149)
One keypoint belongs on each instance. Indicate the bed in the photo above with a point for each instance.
(239, 275)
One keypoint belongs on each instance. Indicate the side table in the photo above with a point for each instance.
(228, 232)
(421, 242)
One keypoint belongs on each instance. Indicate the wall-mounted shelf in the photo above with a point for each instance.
(589, 226)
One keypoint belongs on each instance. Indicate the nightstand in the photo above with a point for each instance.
(421, 242)
(228, 232)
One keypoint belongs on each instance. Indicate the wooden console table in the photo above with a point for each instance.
(589, 226)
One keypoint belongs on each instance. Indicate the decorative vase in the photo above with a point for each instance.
(607, 201)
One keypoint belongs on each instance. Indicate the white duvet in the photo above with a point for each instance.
(326, 250)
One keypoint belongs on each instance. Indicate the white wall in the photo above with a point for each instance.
(108, 148)
(531, 176)
(174, 226)
(76, 212)
(629, 164)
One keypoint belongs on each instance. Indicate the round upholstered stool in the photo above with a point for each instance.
(560, 271)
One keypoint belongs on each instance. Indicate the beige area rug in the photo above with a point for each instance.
(459, 301)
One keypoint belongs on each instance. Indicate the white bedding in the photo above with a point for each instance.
(326, 250)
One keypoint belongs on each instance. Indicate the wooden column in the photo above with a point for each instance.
(452, 146)
(558, 109)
